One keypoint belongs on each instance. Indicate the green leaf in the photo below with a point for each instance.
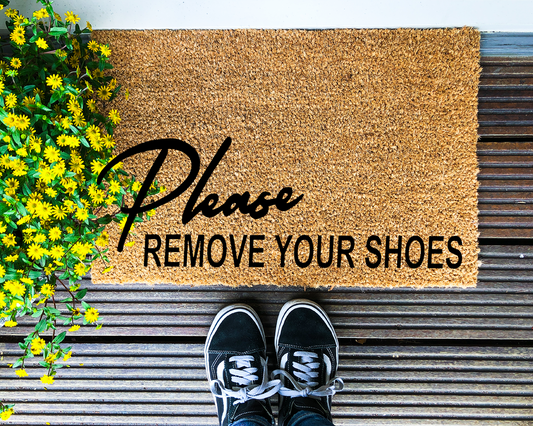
(54, 311)
(44, 364)
(22, 346)
(17, 363)
(34, 274)
(68, 299)
(60, 337)
(85, 305)
(56, 96)
(81, 294)
(57, 31)
(105, 219)
(40, 326)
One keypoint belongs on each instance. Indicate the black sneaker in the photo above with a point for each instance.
(236, 365)
(307, 349)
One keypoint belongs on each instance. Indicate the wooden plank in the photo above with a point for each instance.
(388, 382)
(512, 45)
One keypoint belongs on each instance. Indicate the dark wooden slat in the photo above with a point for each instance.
(459, 383)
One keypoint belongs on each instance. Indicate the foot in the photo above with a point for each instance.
(307, 350)
(236, 366)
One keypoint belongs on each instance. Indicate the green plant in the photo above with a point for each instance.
(56, 135)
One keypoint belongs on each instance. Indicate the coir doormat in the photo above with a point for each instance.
(309, 158)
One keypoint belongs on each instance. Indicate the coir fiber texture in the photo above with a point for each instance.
(376, 129)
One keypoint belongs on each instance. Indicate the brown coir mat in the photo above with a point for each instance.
(375, 130)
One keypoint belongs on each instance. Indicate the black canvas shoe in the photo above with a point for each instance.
(307, 350)
(236, 365)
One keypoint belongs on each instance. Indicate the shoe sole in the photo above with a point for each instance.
(289, 306)
(238, 307)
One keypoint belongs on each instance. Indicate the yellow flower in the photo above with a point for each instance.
(12, 258)
(40, 238)
(103, 239)
(59, 212)
(79, 120)
(11, 13)
(35, 144)
(80, 269)
(22, 152)
(22, 123)
(92, 133)
(68, 354)
(9, 240)
(59, 169)
(47, 380)
(54, 233)
(66, 122)
(106, 51)
(51, 357)
(81, 214)
(96, 167)
(35, 252)
(44, 210)
(10, 121)
(32, 205)
(52, 154)
(108, 141)
(74, 328)
(54, 81)
(11, 100)
(5, 161)
(11, 186)
(19, 167)
(37, 345)
(16, 63)
(21, 373)
(5, 415)
(114, 116)
(2, 273)
(41, 43)
(91, 315)
(18, 36)
(15, 288)
(114, 187)
(136, 186)
(47, 290)
(89, 26)
(10, 323)
(40, 14)
(93, 45)
(57, 252)
(76, 164)
(130, 244)
(110, 200)
(51, 192)
(104, 93)
(70, 17)
(92, 105)
(98, 196)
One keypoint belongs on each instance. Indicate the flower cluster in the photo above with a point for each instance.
(56, 135)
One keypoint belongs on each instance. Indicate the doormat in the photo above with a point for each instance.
(301, 158)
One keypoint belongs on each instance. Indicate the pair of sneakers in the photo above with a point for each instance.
(307, 351)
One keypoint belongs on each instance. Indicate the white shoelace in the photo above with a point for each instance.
(307, 372)
(244, 375)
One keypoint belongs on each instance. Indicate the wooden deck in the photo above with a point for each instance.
(409, 357)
